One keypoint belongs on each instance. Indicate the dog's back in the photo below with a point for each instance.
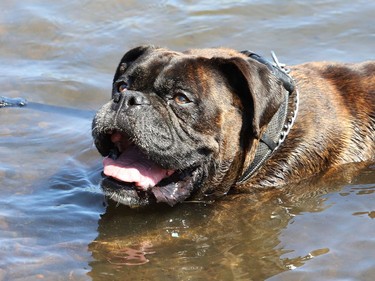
(335, 123)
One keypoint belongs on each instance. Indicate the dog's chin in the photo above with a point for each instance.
(171, 190)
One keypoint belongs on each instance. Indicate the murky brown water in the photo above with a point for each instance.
(54, 223)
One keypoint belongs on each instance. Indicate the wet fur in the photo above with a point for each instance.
(335, 123)
(237, 98)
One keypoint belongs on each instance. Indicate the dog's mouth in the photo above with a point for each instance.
(131, 178)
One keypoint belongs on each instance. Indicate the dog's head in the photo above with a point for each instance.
(181, 125)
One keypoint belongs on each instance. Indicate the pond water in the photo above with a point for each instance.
(55, 223)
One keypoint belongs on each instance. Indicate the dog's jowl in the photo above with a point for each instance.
(197, 124)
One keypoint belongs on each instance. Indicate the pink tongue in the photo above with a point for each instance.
(133, 167)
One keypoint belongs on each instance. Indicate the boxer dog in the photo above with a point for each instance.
(199, 124)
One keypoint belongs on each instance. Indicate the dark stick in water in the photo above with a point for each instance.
(11, 102)
(21, 102)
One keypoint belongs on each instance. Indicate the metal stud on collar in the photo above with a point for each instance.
(289, 125)
(280, 71)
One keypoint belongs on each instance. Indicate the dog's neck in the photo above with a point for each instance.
(280, 124)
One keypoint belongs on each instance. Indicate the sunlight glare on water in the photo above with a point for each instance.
(54, 221)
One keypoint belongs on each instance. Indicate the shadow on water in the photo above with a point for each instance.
(236, 238)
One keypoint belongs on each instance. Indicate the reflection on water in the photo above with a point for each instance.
(54, 221)
(238, 238)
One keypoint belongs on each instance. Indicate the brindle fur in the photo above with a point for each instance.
(237, 97)
(335, 123)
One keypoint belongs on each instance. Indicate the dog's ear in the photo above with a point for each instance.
(260, 92)
(129, 57)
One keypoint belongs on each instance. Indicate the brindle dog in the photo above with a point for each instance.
(201, 123)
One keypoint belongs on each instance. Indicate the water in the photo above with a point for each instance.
(54, 221)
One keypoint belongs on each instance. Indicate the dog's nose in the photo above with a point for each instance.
(130, 98)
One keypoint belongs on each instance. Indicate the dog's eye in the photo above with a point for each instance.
(122, 87)
(181, 99)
